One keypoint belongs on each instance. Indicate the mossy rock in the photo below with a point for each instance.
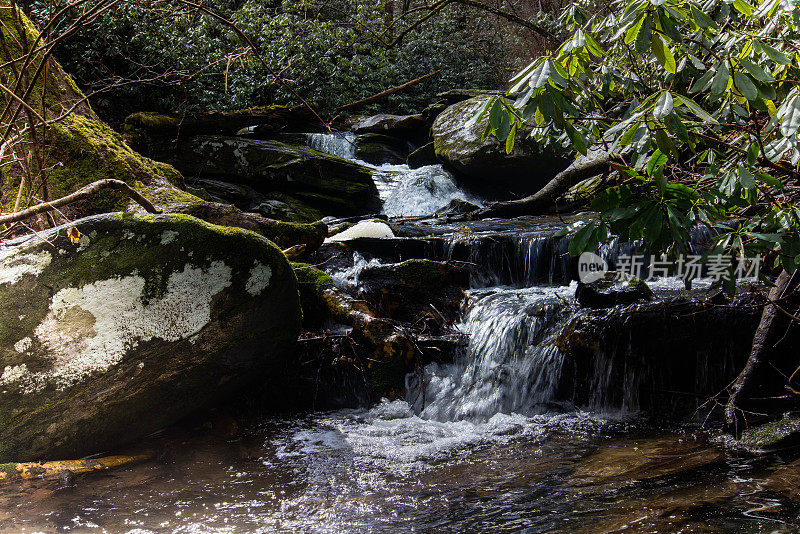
(80, 148)
(155, 133)
(771, 436)
(144, 320)
(311, 282)
(483, 164)
(284, 234)
(332, 185)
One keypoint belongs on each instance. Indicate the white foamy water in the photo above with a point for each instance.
(511, 364)
(405, 192)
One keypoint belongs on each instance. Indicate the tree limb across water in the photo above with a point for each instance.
(546, 197)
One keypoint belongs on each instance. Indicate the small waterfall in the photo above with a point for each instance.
(405, 192)
(342, 144)
(510, 260)
(511, 364)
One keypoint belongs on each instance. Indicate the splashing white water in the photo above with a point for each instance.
(405, 192)
(511, 364)
(348, 278)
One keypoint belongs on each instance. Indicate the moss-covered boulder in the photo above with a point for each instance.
(79, 147)
(483, 164)
(144, 320)
(149, 131)
(329, 184)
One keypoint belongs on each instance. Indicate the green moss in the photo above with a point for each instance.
(420, 273)
(310, 276)
(641, 288)
(150, 120)
(768, 435)
(9, 470)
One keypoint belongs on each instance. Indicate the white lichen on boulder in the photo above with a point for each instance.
(259, 279)
(13, 265)
(156, 317)
(89, 329)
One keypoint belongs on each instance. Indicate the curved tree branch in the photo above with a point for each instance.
(547, 196)
(80, 194)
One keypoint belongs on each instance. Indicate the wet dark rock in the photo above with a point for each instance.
(666, 358)
(457, 206)
(66, 479)
(425, 155)
(332, 185)
(483, 164)
(607, 293)
(241, 196)
(414, 288)
(380, 149)
(144, 321)
(402, 126)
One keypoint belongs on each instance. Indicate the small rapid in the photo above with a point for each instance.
(405, 192)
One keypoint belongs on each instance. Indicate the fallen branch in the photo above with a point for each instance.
(80, 194)
(374, 98)
(546, 197)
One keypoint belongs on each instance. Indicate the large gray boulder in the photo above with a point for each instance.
(144, 320)
(483, 163)
(332, 185)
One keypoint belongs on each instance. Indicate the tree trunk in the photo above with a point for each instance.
(546, 197)
(762, 339)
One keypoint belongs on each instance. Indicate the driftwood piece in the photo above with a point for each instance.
(17, 472)
(80, 194)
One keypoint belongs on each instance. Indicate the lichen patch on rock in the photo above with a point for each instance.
(13, 265)
(91, 328)
(23, 345)
(260, 276)
(12, 374)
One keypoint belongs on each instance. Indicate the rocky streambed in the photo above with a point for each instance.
(407, 369)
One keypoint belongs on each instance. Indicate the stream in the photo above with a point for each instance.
(479, 444)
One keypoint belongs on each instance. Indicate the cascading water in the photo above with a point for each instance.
(405, 192)
(511, 364)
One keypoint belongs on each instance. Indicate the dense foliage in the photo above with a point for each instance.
(327, 50)
(700, 103)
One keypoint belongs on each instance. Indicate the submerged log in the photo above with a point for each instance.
(17, 472)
